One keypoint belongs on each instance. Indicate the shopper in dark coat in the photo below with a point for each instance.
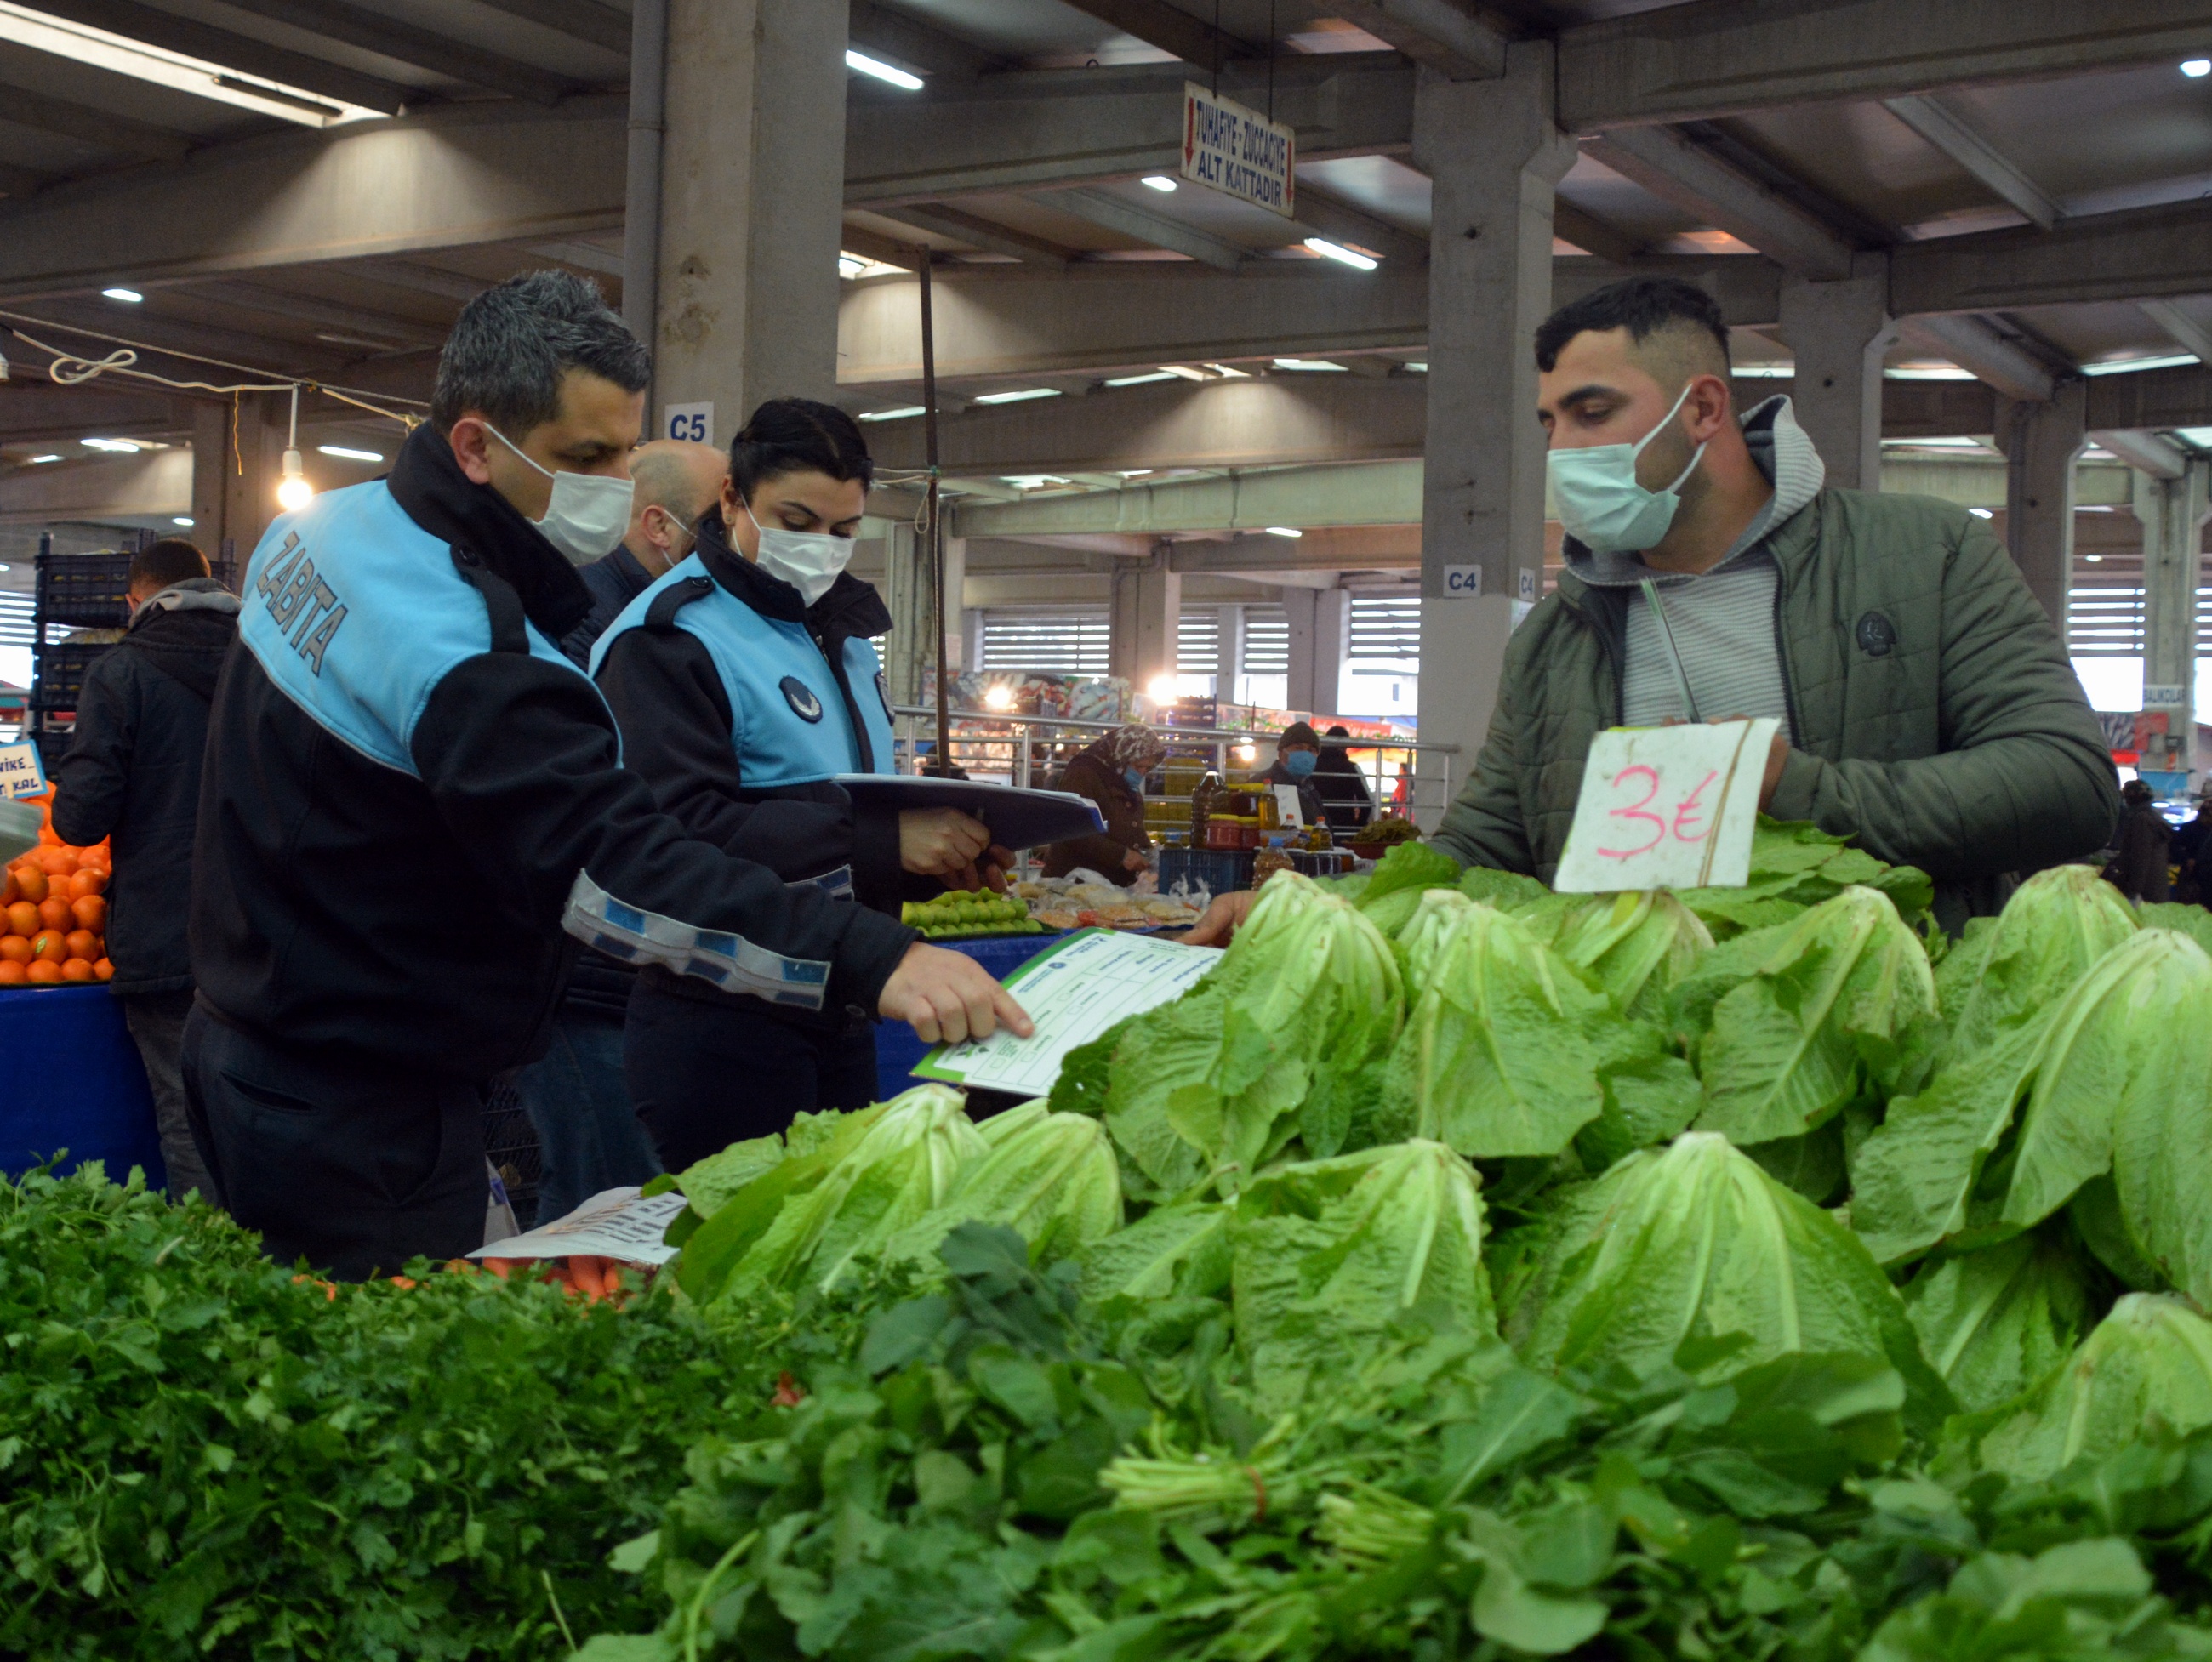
(2145, 847)
(133, 773)
(2192, 853)
(1111, 773)
(1298, 756)
(1345, 801)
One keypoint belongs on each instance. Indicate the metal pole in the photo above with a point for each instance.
(935, 511)
(648, 123)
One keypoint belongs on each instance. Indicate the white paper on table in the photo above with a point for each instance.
(1073, 993)
(1667, 808)
(613, 1223)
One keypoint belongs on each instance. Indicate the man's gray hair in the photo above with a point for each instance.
(511, 344)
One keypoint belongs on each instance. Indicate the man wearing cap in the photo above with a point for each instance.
(1298, 752)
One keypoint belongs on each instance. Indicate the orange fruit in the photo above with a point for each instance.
(56, 862)
(103, 971)
(32, 882)
(91, 911)
(14, 950)
(39, 973)
(11, 973)
(76, 969)
(23, 919)
(48, 838)
(81, 943)
(49, 946)
(87, 880)
(8, 892)
(54, 913)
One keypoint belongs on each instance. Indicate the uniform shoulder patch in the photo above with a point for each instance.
(798, 695)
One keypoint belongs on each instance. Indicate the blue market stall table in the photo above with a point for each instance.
(897, 1050)
(70, 1078)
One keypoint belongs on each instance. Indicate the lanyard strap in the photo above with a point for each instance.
(1673, 652)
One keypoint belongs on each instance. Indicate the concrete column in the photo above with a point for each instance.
(249, 484)
(1147, 611)
(2172, 512)
(752, 206)
(1321, 631)
(2040, 442)
(211, 466)
(1301, 609)
(1838, 332)
(1229, 656)
(1493, 153)
(907, 597)
(959, 653)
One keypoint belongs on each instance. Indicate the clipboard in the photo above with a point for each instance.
(1018, 818)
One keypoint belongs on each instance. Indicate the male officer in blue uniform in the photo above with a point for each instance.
(414, 807)
(744, 684)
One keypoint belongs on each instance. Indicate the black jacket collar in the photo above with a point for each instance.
(429, 485)
(850, 609)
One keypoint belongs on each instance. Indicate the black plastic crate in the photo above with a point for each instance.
(92, 590)
(59, 681)
(511, 1145)
(1217, 871)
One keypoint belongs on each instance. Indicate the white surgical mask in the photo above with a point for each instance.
(1600, 502)
(810, 561)
(587, 512)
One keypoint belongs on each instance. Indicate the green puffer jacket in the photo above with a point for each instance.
(1957, 739)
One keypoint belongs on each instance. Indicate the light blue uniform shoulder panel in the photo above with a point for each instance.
(356, 614)
(788, 722)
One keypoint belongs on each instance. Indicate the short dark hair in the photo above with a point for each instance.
(511, 345)
(158, 564)
(1642, 306)
(798, 435)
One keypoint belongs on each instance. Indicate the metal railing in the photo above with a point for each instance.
(1030, 750)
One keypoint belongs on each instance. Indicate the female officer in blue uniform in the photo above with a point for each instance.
(743, 682)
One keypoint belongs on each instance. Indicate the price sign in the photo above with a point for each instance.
(1667, 808)
(20, 774)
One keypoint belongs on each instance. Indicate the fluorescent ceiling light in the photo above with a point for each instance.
(1765, 372)
(1157, 182)
(850, 264)
(1229, 373)
(898, 415)
(1983, 513)
(2171, 360)
(1950, 443)
(2201, 437)
(1184, 371)
(120, 446)
(35, 460)
(1928, 372)
(1418, 367)
(1135, 473)
(1338, 252)
(341, 451)
(121, 55)
(2197, 68)
(1307, 363)
(183, 520)
(882, 71)
(2094, 559)
(2095, 507)
(133, 296)
(1139, 380)
(1284, 531)
(1032, 481)
(1027, 393)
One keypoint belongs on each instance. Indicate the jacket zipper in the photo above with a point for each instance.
(864, 750)
(1782, 651)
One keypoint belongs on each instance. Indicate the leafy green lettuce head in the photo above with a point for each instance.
(1329, 1254)
(1695, 1245)
(905, 1165)
(1425, 931)
(1832, 1004)
(1508, 1049)
(2148, 1363)
(1309, 993)
(1995, 1322)
(2058, 924)
(1635, 945)
(1051, 1178)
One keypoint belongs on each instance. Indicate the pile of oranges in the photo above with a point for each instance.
(53, 901)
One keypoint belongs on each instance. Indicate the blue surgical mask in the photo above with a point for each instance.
(1298, 763)
(1136, 778)
(1601, 503)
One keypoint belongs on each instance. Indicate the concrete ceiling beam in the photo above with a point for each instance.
(233, 51)
(1978, 348)
(1944, 127)
(1445, 35)
(1691, 179)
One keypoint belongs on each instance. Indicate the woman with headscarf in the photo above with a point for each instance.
(1111, 773)
(1345, 801)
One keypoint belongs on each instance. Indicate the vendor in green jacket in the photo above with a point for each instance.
(1927, 706)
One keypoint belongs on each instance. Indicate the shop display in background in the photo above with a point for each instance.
(961, 916)
(55, 903)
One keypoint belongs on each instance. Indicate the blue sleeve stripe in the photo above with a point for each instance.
(632, 935)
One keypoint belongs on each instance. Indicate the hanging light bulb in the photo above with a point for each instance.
(293, 490)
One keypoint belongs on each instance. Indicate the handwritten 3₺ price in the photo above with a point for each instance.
(1667, 808)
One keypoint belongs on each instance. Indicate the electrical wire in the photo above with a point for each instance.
(69, 368)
